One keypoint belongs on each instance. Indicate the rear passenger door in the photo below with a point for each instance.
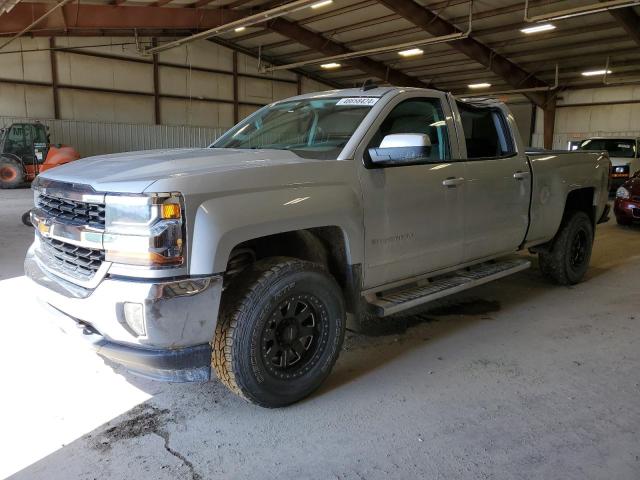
(498, 181)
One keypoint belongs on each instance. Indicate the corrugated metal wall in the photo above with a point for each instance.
(95, 138)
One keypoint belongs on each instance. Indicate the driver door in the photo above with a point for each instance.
(413, 213)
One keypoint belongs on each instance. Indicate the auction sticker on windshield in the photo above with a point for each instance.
(367, 101)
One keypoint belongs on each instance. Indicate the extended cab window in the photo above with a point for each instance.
(486, 132)
(417, 116)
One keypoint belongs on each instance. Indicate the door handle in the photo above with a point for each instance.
(452, 182)
(521, 175)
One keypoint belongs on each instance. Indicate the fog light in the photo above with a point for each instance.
(134, 316)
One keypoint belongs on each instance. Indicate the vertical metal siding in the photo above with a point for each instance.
(96, 138)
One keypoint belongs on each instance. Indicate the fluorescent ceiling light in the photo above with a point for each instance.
(324, 3)
(479, 85)
(330, 65)
(240, 29)
(593, 73)
(411, 52)
(545, 27)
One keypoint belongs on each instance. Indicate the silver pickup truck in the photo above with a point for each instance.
(249, 257)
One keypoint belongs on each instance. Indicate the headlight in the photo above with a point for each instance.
(144, 229)
(622, 193)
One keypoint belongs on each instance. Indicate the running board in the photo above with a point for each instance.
(404, 298)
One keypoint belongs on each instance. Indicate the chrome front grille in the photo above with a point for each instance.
(70, 221)
(78, 262)
(72, 211)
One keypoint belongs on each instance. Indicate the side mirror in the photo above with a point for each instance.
(400, 149)
(401, 140)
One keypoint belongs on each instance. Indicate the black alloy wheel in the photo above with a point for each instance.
(292, 336)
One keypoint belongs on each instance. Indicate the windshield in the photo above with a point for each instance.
(616, 148)
(311, 128)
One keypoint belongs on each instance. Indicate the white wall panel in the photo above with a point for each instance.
(258, 90)
(209, 114)
(85, 71)
(254, 90)
(39, 102)
(310, 86)
(26, 100)
(203, 54)
(176, 81)
(105, 107)
(284, 90)
(246, 110)
(32, 66)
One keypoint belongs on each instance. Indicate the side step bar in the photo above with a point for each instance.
(403, 298)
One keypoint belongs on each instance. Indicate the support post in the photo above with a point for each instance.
(156, 86)
(236, 108)
(54, 78)
(299, 83)
(549, 122)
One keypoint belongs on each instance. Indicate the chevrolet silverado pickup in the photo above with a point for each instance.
(247, 259)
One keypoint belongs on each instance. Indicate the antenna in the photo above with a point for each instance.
(368, 85)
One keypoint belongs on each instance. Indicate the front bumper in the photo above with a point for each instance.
(179, 320)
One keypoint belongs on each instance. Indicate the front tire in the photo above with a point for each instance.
(567, 261)
(26, 218)
(280, 330)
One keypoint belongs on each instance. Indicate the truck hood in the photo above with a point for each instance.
(134, 172)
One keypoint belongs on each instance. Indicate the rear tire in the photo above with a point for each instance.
(280, 330)
(567, 261)
(11, 173)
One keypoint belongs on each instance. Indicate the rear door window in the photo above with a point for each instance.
(486, 132)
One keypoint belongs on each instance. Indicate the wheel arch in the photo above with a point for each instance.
(581, 200)
(283, 221)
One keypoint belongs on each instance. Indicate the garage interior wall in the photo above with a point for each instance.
(606, 112)
(103, 83)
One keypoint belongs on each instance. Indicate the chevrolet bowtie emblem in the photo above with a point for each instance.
(43, 227)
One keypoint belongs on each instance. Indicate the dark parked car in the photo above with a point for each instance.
(627, 204)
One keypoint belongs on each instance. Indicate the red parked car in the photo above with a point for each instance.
(627, 204)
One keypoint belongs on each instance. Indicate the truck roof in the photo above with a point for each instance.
(355, 92)
(613, 137)
(374, 91)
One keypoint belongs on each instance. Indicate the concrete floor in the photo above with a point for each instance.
(517, 379)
